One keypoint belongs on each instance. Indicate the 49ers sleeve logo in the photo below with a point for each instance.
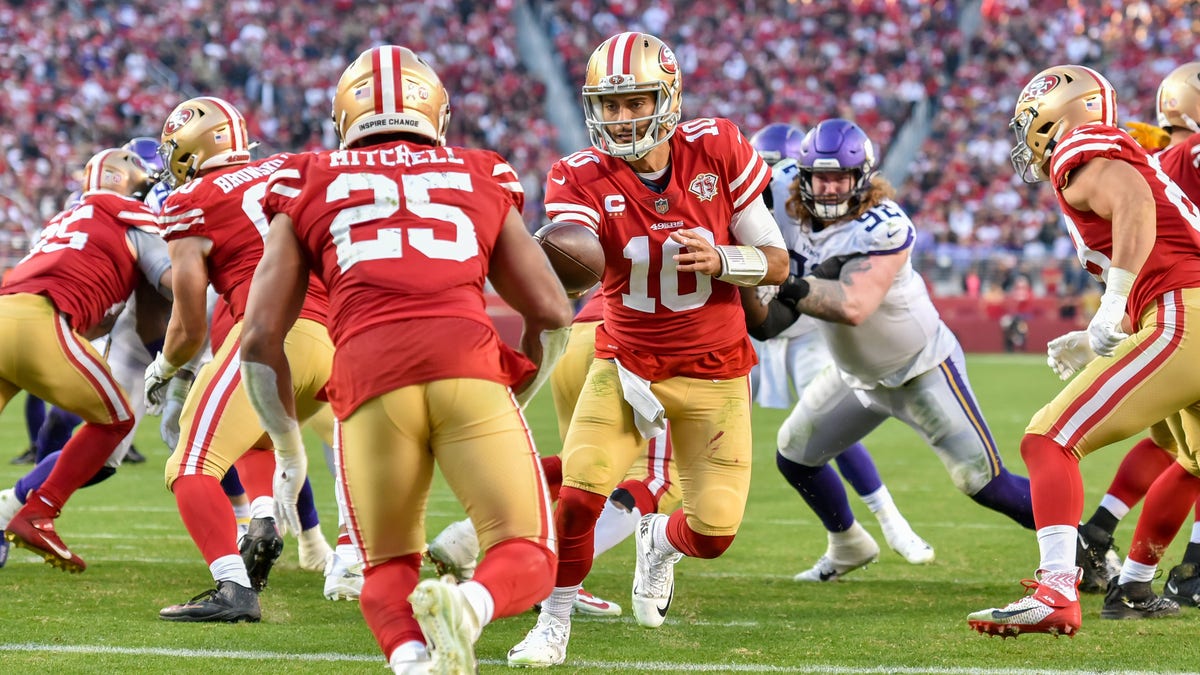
(177, 119)
(704, 186)
(1040, 87)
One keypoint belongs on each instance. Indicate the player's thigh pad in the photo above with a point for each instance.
(40, 353)
(1152, 374)
(602, 441)
(567, 379)
(486, 452)
(941, 407)
(828, 419)
(385, 469)
(713, 447)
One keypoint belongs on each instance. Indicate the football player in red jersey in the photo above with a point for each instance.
(677, 208)
(1175, 141)
(405, 231)
(1134, 228)
(69, 289)
(214, 226)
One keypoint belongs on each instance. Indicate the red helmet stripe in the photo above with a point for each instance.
(1108, 102)
(620, 53)
(386, 66)
(96, 178)
(233, 117)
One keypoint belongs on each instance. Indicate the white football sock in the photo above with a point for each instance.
(561, 602)
(230, 568)
(1136, 571)
(1057, 546)
(1115, 506)
(614, 526)
(481, 601)
(262, 507)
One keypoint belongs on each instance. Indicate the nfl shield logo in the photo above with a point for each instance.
(662, 205)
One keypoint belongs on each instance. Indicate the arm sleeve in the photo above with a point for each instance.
(755, 226)
(153, 259)
(779, 317)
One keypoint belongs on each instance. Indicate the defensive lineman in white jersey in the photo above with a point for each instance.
(894, 356)
(791, 361)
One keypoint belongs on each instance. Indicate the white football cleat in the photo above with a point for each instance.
(544, 645)
(855, 548)
(8, 506)
(653, 576)
(449, 624)
(586, 603)
(343, 576)
(903, 540)
(455, 550)
(313, 550)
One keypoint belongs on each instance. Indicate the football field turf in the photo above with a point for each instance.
(739, 613)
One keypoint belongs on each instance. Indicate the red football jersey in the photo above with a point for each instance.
(402, 234)
(592, 310)
(1174, 261)
(225, 206)
(1182, 164)
(657, 321)
(83, 260)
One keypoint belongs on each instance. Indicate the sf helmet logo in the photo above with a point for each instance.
(1039, 87)
(177, 120)
(666, 60)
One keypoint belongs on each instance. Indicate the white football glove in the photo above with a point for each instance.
(1104, 331)
(290, 471)
(766, 294)
(177, 391)
(158, 374)
(1068, 354)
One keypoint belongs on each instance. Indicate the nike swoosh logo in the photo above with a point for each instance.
(1172, 588)
(60, 552)
(662, 609)
(560, 181)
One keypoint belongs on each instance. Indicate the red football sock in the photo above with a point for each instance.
(518, 573)
(691, 543)
(81, 458)
(1055, 485)
(206, 515)
(385, 605)
(256, 469)
(643, 499)
(1141, 466)
(552, 468)
(575, 521)
(1168, 502)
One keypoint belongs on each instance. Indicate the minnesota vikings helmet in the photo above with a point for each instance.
(146, 147)
(118, 170)
(630, 63)
(834, 146)
(1179, 98)
(1055, 101)
(777, 142)
(390, 90)
(200, 134)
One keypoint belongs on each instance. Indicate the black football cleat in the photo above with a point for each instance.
(132, 456)
(28, 456)
(229, 602)
(1183, 584)
(260, 548)
(1135, 600)
(1094, 553)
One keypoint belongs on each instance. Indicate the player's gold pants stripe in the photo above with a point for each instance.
(96, 371)
(1118, 380)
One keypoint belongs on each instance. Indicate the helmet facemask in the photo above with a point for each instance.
(659, 126)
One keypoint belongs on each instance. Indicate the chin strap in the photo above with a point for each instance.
(742, 265)
(554, 344)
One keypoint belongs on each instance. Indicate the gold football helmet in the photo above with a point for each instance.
(632, 63)
(200, 134)
(1179, 98)
(120, 171)
(1055, 101)
(389, 90)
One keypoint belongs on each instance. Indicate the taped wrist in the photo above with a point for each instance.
(742, 265)
(1119, 282)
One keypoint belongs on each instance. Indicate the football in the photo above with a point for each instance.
(575, 254)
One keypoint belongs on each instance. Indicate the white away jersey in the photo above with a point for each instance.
(905, 336)
(783, 174)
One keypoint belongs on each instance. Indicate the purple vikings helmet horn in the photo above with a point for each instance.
(835, 145)
(777, 142)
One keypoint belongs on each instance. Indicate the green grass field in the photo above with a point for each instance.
(740, 613)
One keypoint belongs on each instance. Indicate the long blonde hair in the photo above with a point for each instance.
(880, 190)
